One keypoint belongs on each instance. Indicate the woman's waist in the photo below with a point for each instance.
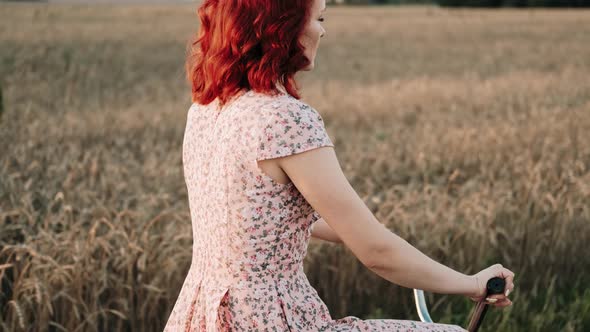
(247, 271)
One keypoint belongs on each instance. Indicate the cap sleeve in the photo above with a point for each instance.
(291, 128)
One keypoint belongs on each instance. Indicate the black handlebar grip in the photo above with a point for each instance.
(494, 286)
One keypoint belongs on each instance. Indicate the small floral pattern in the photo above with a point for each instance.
(250, 233)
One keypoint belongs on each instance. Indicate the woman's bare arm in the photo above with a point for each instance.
(321, 230)
(318, 176)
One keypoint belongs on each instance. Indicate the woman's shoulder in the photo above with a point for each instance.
(285, 105)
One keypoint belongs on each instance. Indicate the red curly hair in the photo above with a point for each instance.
(246, 44)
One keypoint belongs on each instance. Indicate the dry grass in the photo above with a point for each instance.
(463, 130)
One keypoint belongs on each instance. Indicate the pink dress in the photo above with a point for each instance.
(250, 233)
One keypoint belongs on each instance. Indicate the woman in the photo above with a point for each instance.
(260, 170)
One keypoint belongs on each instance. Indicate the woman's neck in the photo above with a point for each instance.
(280, 87)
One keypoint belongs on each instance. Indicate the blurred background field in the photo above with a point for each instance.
(465, 131)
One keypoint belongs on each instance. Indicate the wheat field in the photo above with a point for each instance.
(463, 131)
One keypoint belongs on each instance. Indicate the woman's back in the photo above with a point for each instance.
(250, 233)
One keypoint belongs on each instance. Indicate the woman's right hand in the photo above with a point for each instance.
(482, 277)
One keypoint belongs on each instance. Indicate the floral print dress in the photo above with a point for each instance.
(250, 233)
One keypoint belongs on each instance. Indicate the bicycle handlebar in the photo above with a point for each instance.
(493, 286)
